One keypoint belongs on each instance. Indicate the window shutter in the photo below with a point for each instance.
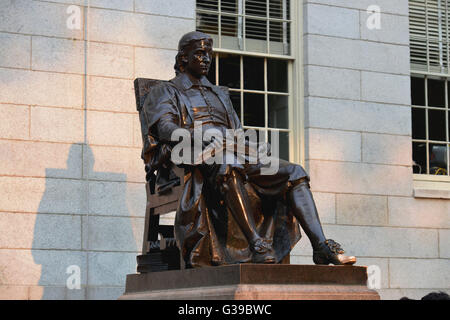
(428, 23)
(251, 25)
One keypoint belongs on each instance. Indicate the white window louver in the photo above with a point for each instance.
(429, 36)
(247, 25)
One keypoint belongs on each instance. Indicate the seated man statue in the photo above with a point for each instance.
(228, 213)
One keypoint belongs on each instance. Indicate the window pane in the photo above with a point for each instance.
(282, 144)
(438, 159)
(212, 71)
(419, 157)
(254, 110)
(229, 71)
(436, 93)
(278, 112)
(236, 100)
(436, 125)
(253, 73)
(418, 91)
(277, 74)
(418, 123)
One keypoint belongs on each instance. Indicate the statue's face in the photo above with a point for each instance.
(199, 58)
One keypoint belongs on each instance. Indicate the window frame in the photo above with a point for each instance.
(295, 83)
(430, 185)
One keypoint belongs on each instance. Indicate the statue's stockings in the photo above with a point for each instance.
(301, 201)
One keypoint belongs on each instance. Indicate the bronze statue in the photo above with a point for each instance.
(228, 213)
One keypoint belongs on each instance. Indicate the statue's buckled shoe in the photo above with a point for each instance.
(331, 252)
(262, 251)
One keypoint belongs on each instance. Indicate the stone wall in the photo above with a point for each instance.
(78, 197)
(358, 129)
(71, 178)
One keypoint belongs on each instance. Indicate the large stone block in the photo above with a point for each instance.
(334, 145)
(13, 292)
(15, 50)
(126, 5)
(104, 293)
(32, 88)
(386, 149)
(137, 132)
(396, 7)
(386, 88)
(108, 128)
(110, 268)
(40, 231)
(331, 21)
(252, 282)
(110, 60)
(416, 294)
(117, 198)
(360, 178)
(43, 195)
(111, 94)
(357, 209)
(38, 18)
(419, 213)
(444, 243)
(326, 206)
(332, 82)
(114, 164)
(39, 267)
(384, 242)
(14, 122)
(419, 273)
(365, 55)
(376, 265)
(114, 233)
(60, 55)
(56, 293)
(57, 124)
(358, 116)
(173, 8)
(137, 29)
(73, 56)
(393, 29)
(61, 160)
(154, 63)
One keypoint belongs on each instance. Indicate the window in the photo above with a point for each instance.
(430, 95)
(247, 25)
(252, 44)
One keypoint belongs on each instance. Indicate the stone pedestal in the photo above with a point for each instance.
(253, 282)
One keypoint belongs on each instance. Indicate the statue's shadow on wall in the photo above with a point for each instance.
(77, 225)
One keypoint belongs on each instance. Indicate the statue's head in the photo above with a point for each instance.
(194, 54)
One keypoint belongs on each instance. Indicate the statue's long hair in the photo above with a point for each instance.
(184, 45)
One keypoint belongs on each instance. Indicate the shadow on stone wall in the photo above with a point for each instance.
(83, 223)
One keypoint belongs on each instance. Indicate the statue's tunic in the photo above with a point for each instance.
(205, 229)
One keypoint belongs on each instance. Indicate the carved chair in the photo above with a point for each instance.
(157, 254)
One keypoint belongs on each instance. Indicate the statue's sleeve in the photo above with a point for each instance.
(161, 107)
